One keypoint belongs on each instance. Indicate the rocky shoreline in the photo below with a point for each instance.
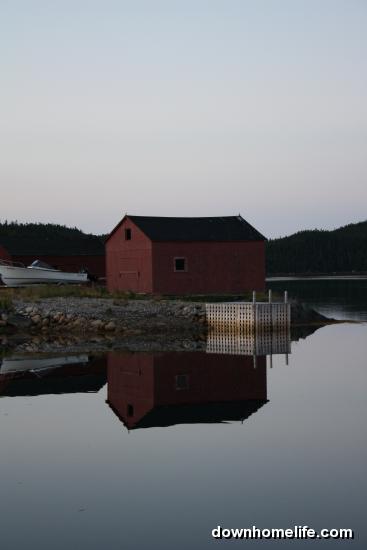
(99, 323)
(101, 315)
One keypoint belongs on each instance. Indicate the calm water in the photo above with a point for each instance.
(337, 298)
(139, 451)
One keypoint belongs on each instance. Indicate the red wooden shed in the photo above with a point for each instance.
(185, 255)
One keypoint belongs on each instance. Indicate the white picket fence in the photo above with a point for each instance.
(262, 316)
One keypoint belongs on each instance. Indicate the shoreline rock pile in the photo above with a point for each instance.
(86, 315)
(47, 321)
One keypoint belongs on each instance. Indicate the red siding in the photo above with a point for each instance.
(4, 254)
(94, 264)
(212, 267)
(129, 262)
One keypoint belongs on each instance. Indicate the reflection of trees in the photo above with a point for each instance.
(328, 291)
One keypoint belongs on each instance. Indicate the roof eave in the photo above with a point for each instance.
(116, 228)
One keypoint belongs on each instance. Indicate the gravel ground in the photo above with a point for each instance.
(125, 314)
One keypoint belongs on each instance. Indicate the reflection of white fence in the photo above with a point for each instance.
(249, 343)
(262, 316)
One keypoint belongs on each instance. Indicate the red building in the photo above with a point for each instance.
(146, 390)
(94, 263)
(185, 255)
(4, 254)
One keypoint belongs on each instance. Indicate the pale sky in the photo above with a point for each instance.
(184, 108)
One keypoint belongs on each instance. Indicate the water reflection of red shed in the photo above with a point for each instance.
(171, 388)
(185, 255)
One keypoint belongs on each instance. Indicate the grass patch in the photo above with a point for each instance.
(54, 291)
(6, 303)
(245, 297)
(39, 292)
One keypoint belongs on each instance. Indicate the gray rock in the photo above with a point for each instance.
(36, 319)
(96, 323)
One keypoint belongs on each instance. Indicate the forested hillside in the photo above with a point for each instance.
(316, 251)
(343, 250)
(39, 238)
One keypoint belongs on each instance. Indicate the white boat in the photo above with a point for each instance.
(37, 273)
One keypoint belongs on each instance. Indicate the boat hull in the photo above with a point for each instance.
(14, 276)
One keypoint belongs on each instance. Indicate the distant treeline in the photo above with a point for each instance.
(48, 239)
(316, 251)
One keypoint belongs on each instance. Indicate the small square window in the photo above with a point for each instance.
(127, 234)
(182, 382)
(180, 264)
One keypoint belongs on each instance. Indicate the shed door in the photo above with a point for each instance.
(129, 280)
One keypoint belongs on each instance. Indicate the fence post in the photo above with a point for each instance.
(270, 299)
(288, 308)
(254, 307)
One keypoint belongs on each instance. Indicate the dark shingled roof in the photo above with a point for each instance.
(227, 228)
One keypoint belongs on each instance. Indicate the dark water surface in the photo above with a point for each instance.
(141, 451)
(337, 298)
